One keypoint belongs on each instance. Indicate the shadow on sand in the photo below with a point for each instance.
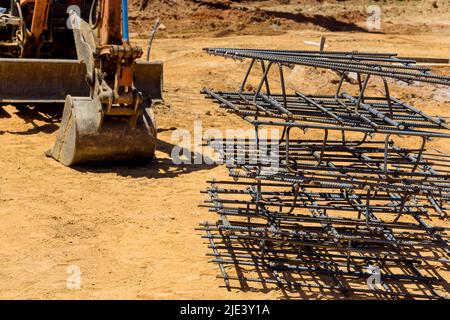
(160, 167)
(50, 114)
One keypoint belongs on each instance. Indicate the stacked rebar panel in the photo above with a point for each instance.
(345, 212)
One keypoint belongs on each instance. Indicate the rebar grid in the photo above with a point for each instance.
(376, 115)
(293, 219)
(246, 253)
(319, 214)
(387, 65)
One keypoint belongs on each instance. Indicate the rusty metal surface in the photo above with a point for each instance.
(39, 80)
(149, 79)
(316, 212)
(49, 81)
(40, 18)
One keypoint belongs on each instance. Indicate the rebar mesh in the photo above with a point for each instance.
(344, 213)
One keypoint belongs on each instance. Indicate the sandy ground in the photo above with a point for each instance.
(131, 230)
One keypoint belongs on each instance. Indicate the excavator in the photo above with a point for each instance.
(77, 53)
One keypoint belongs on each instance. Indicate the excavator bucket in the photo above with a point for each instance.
(34, 81)
(87, 138)
(91, 131)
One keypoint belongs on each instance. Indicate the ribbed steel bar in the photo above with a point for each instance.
(390, 68)
(316, 113)
(352, 167)
(316, 212)
(280, 257)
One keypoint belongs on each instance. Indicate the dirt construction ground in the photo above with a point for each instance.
(131, 231)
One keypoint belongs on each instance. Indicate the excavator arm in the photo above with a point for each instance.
(116, 122)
